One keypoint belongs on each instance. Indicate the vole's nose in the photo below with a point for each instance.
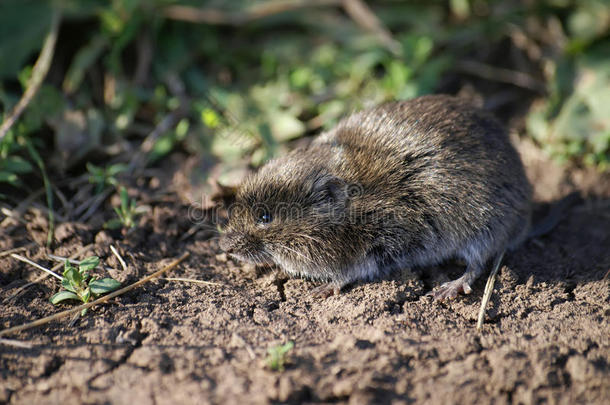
(226, 243)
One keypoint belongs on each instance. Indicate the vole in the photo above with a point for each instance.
(401, 185)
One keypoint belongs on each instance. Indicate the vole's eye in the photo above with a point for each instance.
(263, 217)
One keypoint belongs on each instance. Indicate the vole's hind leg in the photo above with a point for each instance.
(463, 284)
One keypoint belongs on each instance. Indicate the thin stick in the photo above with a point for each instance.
(38, 266)
(118, 256)
(361, 13)
(17, 212)
(63, 259)
(64, 201)
(16, 343)
(356, 9)
(498, 74)
(489, 287)
(39, 72)
(93, 206)
(79, 253)
(17, 249)
(46, 210)
(100, 300)
(255, 12)
(177, 88)
(190, 280)
(167, 123)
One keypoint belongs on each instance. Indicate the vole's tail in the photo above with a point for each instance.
(555, 215)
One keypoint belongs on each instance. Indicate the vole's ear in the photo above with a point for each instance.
(330, 189)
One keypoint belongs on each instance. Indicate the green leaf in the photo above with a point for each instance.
(74, 277)
(104, 286)
(67, 266)
(115, 169)
(19, 39)
(124, 199)
(62, 296)
(210, 118)
(589, 20)
(231, 143)
(89, 264)
(162, 147)
(16, 164)
(95, 171)
(285, 126)
(7, 177)
(277, 356)
(461, 8)
(83, 60)
(86, 295)
(114, 223)
(65, 283)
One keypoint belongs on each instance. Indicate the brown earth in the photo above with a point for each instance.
(546, 338)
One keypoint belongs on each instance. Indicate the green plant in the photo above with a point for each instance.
(573, 122)
(127, 212)
(79, 285)
(277, 356)
(104, 176)
(12, 166)
(576, 125)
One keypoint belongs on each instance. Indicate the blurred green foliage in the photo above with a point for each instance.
(575, 122)
(241, 93)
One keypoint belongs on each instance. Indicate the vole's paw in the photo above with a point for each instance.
(451, 289)
(326, 290)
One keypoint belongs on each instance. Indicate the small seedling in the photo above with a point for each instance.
(127, 213)
(78, 285)
(277, 356)
(104, 176)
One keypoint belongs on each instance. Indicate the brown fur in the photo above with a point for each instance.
(407, 183)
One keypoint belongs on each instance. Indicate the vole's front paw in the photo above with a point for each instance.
(451, 289)
(326, 290)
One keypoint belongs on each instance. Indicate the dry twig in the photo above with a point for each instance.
(255, 12)
(16, 213)
(190, 280)
(39, 72)
(17, 249)
(177, 88)
(493, 73)
(356, 9)
(489, 288)
(62, 260)
(34, 264)
(360, 12)
(16, 343)
(119, 258)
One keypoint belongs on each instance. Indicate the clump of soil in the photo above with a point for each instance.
(546, 338)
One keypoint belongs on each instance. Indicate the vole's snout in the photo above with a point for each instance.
(244, 247)
(227, 242)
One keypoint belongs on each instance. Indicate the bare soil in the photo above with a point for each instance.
(546, 338)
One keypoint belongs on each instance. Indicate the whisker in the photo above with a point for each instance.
(309, 237)
(297, 253)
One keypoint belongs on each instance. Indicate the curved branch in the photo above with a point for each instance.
(258, 11)
(39, 72)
